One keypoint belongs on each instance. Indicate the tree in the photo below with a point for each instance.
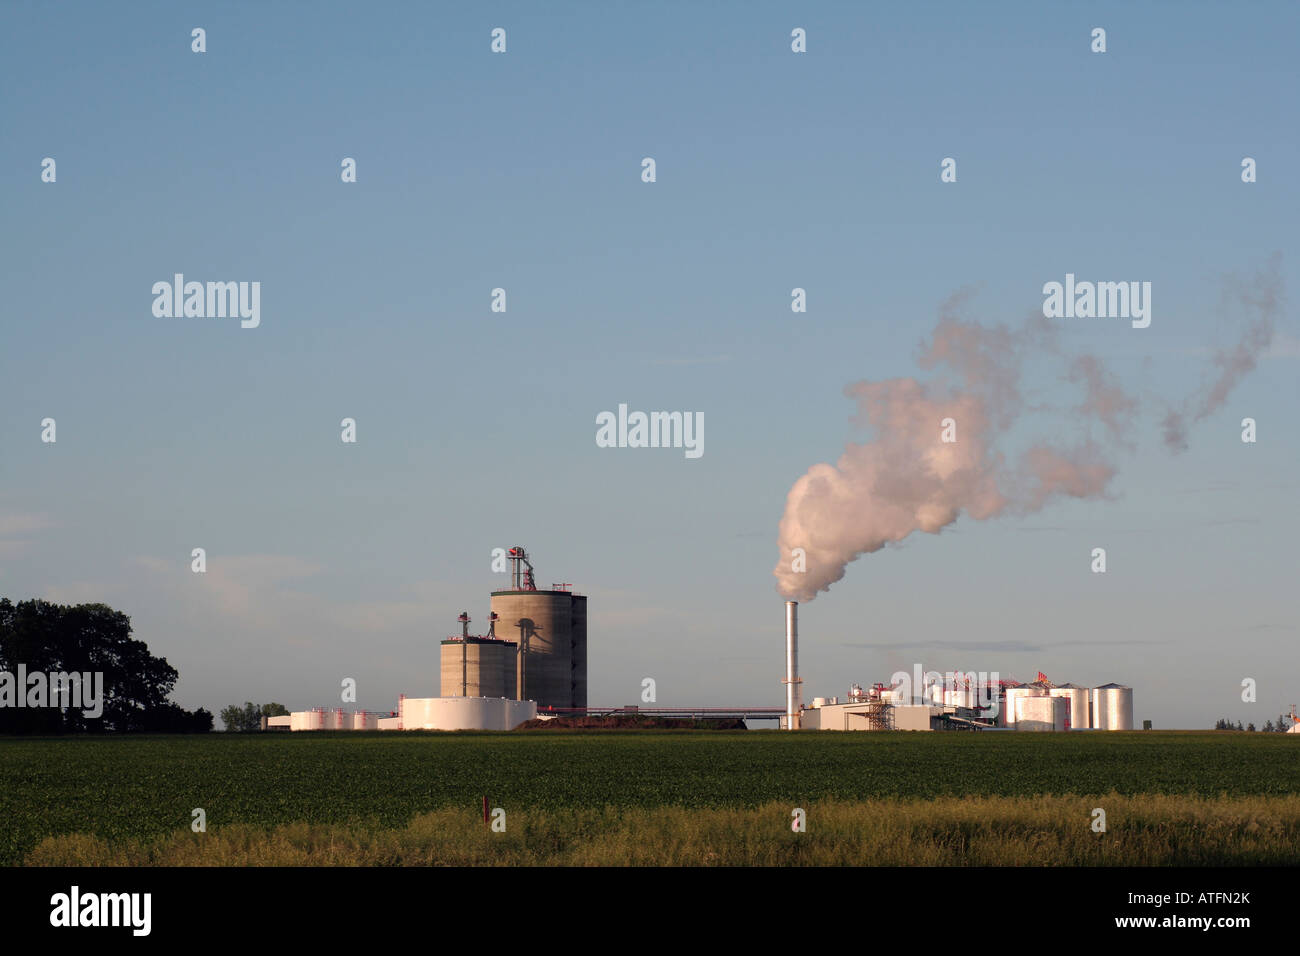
(1268, 727)
(1251, 728)
(88, 639)
(246, 719)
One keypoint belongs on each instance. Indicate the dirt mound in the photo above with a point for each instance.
(632, 722)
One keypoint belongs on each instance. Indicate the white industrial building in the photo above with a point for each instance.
(1038, 707)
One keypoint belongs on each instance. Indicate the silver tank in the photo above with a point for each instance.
(1112, 707)
(1077, 700)
(1014, 695)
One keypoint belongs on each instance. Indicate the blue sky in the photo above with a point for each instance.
(476, 429)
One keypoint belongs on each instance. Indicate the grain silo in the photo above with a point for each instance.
(478, 666)
(1112, 707)
(550, 628)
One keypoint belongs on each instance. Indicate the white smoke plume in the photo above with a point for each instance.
(907, 479)
(1262, 300)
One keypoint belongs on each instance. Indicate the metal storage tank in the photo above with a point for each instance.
(307, 720)
(1112, 707)
(1041, 713)
(465, 713)
(551, 629)
(1079, 714)
(363, 721)
(1013, 696)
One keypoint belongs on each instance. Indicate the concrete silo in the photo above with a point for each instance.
(550, 628)
(478, 666)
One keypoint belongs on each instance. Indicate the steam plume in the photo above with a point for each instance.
(907, 479)
(1262, 298)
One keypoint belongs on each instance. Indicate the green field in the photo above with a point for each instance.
(144, 788)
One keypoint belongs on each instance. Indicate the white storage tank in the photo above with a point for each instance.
(1041, 713)
(1112, 707)
(363, 721)
(1013, 696)
(465, 713)
(1078, 714)
(819, 702)
(307, 720)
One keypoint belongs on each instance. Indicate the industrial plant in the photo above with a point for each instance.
(532, 662)
(953, 701)
(489, 681)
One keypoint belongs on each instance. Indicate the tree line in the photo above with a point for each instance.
(242, 720)
(40, 639)
(1280, 727)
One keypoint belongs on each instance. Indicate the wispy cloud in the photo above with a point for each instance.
(16, 530)
(692, 360)
(1007, 647)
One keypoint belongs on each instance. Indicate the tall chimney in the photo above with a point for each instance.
(793, 692)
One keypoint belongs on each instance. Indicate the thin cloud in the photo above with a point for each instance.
(688, 360)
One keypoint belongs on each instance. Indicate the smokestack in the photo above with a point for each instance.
(793, 691)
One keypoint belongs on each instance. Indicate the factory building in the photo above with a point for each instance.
(1040, 707)
(490, 681)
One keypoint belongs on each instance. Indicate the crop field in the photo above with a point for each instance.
(130, 799)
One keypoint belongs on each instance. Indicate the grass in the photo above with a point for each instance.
(362, 792)
(984, 831)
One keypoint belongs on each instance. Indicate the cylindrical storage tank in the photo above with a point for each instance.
(465, 713)
(934, 694)
(1112, 707)
(477, 667)
(363, 721)
(819, 702)
(1040, 713)
(543, 623)
(1014, 696)
(1078, 712)
(338, 720)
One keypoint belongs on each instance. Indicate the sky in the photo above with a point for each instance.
(476, 429)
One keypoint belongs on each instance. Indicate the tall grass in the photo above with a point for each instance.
(1141, 830)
